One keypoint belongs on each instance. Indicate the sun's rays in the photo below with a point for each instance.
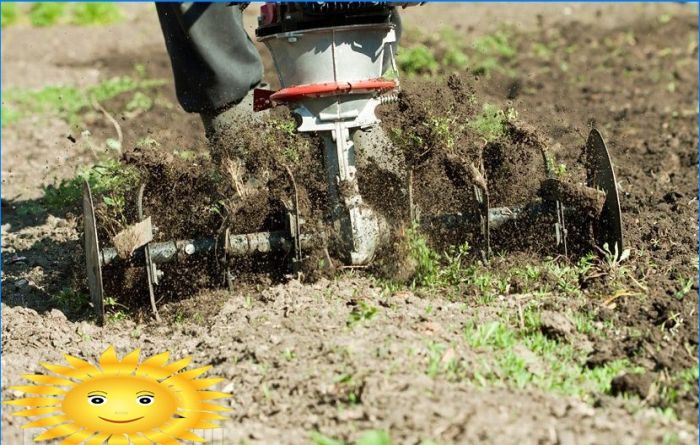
(61, 400)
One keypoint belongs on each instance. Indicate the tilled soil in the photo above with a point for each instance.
(284, 352)
(292, 354)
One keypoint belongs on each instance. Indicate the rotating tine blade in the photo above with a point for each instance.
(601, 175)
(92, 255)
(151, 270)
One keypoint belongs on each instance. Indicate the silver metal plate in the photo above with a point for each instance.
(92, 255)
(601, 175)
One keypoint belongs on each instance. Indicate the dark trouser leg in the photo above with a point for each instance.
(214, 61)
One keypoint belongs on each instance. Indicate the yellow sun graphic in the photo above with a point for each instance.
(121, 402)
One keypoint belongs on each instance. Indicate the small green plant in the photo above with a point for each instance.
(139, 102)
(684, 289)
(109, 179)
(319, 439)
(9, 13)
(70, 300)
(374, 437)
(117, 316)
(189, 155)
(289, 354)
(490, 335)
(490, 52)
(435, 352)
(418, 59)
(29, 208)
(66, 102)
(491, 123)
(96, 13)
(362, 312)
(352, 387)
(427, 260)
(46, 13)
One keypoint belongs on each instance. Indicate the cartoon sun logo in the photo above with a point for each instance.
(121, 402)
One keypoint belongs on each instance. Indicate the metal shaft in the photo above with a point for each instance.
(235, 246)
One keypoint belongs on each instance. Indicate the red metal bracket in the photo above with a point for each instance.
(300, 92)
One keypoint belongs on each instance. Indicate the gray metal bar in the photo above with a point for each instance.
(498, 216)
(235, 245)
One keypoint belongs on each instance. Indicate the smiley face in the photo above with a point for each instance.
(120, 404)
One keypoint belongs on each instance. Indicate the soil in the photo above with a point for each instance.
(283, 345)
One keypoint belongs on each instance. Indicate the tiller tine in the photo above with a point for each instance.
(600, 174)
(145, 252)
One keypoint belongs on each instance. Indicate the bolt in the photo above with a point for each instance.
(189, 249)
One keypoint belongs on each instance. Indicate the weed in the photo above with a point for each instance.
(362, 312)
(374, 437)
(427, 260)
(95, 13)
(289, 354)
(491, 123)
(287, 126)
(542, 51)
(435, 352)
(66, 102)
(665, 18)
(319, 439)
(180, 317)
(139, 102)
(678, 386)
(117, 316)
(490, 335)
(347, 380)
(9, 14)
(189, 155)
(436, 53)
(683, 291)
(46, 13)
(29, 208)
(418, 59)
(109, 179)
(454, 56)
(491, 50)
(441, 128)
(70, 300)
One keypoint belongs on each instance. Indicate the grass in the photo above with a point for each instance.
(525, 358)
(64, 101)
(71, 301)
(10, 14)
(491, 123)
(371, 437)
(492, 51)
(361, 313)
(455, 267)
(46, 13)
(512, 351)
(109, 179)
(447, 50)
(678, 386)
(417, 60)
(95, 14)
(43, 14)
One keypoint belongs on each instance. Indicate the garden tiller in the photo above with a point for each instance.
(336, 64)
